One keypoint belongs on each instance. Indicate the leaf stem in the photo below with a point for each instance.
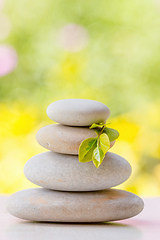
(98, 143)
(101, 131)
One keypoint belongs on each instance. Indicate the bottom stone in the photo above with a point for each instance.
(39, 204)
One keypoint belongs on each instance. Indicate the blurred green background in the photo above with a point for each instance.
(104, 50)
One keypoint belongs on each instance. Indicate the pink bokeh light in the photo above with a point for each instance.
(8, 59)
(73, 37)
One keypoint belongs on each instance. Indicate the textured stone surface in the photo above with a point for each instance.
(78, 112)
(39, 204)
(64, 139)
(65, 172)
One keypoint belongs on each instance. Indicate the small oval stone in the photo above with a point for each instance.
(64, 139)
(78, 112)
(64, 172)
(39, 204)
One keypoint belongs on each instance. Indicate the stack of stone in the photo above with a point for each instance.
(74, 191)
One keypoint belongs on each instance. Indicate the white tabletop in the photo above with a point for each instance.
(145, 226)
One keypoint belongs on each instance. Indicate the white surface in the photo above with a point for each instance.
(145, 226)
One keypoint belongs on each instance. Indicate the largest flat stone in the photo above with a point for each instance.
(65, 172)
(78, 112)
(54, 206)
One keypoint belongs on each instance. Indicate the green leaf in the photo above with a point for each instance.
(112, 133)
(98, 156)
(86, 149)
(94, 149)
(104, 142)
(97, 125)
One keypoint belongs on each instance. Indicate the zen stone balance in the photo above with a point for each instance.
(77, 175)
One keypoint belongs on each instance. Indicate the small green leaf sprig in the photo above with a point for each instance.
(94, 149)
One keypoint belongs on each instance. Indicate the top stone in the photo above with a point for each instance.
(78, 112)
